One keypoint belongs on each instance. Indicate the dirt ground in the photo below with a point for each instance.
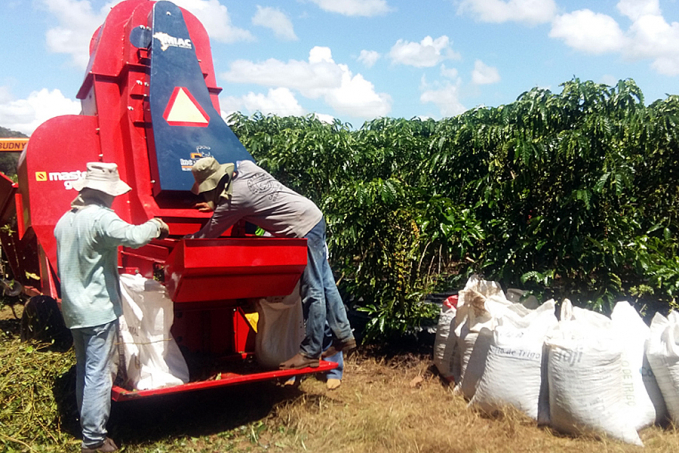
(391, 400)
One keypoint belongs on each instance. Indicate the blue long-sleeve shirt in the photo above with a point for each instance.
(87, 258)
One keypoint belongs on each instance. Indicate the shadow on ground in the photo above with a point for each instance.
(198, 413)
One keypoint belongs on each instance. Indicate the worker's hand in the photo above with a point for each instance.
(164, 229)
(203, 206)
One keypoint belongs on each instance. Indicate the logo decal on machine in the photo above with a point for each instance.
(184, 110)
(201, 151)
(170, 41)
(66, 176)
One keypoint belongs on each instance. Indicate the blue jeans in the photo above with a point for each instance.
(95, 349)
(335, 373)
(321, 301)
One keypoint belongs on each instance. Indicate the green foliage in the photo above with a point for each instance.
(32, 392)
(9, 133)
(570, 194)
(8, 160)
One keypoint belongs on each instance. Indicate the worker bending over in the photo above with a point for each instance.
(88, 236)
(252, 194)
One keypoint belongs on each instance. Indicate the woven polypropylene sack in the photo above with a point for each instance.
(663, 355)
(280, 329)
(152, 357)
(643, 400)
(515, 372)
(445, 344)
(585, 378)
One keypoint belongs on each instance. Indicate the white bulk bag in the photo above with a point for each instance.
(514, 370)
(446, 343)
(642, 396)
(663, 355)
(479, 306)
(152, 357)
(585, 376)
(518, 296)
(280, 329)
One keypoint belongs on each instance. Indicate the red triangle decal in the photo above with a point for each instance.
(183, 110)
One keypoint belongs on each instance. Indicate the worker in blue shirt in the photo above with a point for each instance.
(88, 236)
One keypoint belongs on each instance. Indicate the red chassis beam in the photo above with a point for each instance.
(225, 379)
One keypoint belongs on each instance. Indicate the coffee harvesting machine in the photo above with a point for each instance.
(150, 104)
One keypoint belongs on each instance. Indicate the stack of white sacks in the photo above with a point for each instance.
(584, 373)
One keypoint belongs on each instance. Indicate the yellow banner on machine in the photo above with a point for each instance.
(12, 144)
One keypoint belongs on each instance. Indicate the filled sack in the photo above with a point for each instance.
(585, 375)
(515, 372)
(280, 329)
(480, 304)
(445, 342)
(643, 399)
(663, 355)
(152, 358)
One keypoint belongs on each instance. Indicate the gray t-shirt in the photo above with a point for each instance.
(260, 199)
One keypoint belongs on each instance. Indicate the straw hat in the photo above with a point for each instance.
(103, 177)
(208, 172)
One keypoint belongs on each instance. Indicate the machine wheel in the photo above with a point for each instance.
(42, 321)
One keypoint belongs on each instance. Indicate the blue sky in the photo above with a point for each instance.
(360, 59)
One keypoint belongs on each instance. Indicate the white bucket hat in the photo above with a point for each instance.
(208, 172)
(103, 177)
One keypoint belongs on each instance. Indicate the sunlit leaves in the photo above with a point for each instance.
(551, 192)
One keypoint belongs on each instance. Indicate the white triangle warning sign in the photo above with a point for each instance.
(183, 110)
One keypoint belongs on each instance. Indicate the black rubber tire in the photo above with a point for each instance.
(42, 321)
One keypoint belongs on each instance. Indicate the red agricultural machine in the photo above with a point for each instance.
(150, 104)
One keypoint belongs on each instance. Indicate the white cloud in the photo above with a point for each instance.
(278, 101)
(277, 21)
(329, 119)
(484, 74)
(609, 80)
(497, 11)
(354, 7)
(215, 18)
(588, 32)
(634, 9)
(649, 37)
(425, 54)
(319, 77)
(77, 22)
(652, 37)
(445, 96)
(449, 73)
(368, 58)
(357, 97)
(25, 115)
(311, 78)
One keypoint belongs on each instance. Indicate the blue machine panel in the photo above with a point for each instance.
(185, 125)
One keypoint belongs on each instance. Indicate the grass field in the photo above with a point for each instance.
(390, 401)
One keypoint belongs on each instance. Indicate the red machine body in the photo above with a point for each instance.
(210, 281)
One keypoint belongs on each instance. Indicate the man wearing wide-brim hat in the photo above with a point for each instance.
(252, 194)
(88, 236)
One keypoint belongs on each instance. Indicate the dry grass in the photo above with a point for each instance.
(388, 402)
(400, 405)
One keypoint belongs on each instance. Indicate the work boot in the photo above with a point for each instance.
(297, 362)
(339, 346)
(106, 446)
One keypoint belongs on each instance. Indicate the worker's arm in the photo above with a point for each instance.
(115, 231)
(223, 218)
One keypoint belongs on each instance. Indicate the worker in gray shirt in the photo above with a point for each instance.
(88, 236)
(250, 193)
